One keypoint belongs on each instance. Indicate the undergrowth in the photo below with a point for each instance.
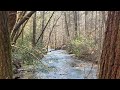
(25, 53)
(82, 47)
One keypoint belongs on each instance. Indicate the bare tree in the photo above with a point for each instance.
(52, 30)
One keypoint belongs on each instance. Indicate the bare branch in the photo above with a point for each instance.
(18, 24)
(52, 30)
(45, 27)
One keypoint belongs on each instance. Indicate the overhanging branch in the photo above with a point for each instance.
(18, 24)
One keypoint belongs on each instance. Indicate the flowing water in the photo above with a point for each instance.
(61, 65)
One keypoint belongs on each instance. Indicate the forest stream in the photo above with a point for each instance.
(59, 45)
(64, 66)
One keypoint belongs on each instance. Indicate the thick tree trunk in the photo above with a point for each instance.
(12, 19)
(110, 58)
(5, 48)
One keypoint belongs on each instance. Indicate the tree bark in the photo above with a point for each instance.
(110, 58)
(5, 48)
(12, 19)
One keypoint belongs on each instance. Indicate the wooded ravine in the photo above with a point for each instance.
(59, 44)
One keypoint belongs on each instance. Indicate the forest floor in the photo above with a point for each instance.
(61, 65)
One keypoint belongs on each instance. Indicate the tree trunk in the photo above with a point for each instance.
(86, 12)
(96, 28)
(78, 23)
(103, 24)
(100, 32)
(92, 20)
(66, 25)
(12, 19)
(43, 25)
(110, 58)
(5, 48)
(49, 38)
(75, 22)
(34, 30)
(69, 22)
